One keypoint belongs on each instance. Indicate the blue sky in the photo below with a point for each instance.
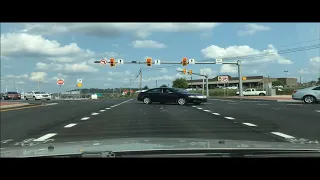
(32, 52)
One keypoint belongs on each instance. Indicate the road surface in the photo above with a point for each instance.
(68, 121)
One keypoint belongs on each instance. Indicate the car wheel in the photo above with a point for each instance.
(146, 100)
(181, 101)
(26, 99)
(261, 94)
(309, 99)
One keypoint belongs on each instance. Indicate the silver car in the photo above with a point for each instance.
(308, 95)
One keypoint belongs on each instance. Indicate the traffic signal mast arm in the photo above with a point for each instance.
(195, 74)
(143, 62)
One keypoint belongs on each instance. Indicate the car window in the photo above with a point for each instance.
(179, 90)
(154, 90)
(12, 93)
(166, 90)
(37, 92)
(248, 90)
(317, 88)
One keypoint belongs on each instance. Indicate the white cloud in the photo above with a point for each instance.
(38, 76)
(141, 30)
(59, 76)
(251, 29)
(164, 70)
(23, 45)
(207, 71)
(246, 54)
(179, 69)
(81, 67)
(148, 44)
(228, 68)
(313, 67)
(126, 73)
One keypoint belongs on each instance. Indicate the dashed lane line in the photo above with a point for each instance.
(199, 108)
(85, 118)
(317, 110)
(102, 110)
(108, 108)
(70, 125)
(217, 114)
(206, 110)
(283, 135)
(249, 124)
(94, 114)
(45, 137)
(231, 118)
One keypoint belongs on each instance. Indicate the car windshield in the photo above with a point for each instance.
(134, 86)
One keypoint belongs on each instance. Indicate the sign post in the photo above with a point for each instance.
(79, 85)
(60, 82)
(224, 80)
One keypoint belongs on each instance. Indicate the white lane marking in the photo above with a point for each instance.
(317, 110)
(249, 124)
(112, 106)
(102, 110)
(282, 135)
(262, 104)
(85, 118)
(229, 118)
(194, 106)
(108, 108)
(217, 114)
(70, 125)
(45, 137)
(206, 110)
(94, 114)
(199, 108)
(50, 104)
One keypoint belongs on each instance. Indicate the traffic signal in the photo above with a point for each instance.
(184, 71)
(112, 62)
(190, 72)
(149, 61)
(184, 61)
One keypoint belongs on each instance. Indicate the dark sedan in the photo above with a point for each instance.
(171, 95)
(11, 95)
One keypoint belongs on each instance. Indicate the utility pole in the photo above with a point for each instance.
(202, 85)
(38, 84)
(156, 83)
(240, 78)
(300, 81)
(191, 83)
(14, 83)
(140, 79)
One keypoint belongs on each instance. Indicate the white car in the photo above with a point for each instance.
(253, 92)
(36, 95)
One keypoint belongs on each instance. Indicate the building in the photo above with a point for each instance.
(250, 81)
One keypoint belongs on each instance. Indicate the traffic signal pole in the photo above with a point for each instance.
(148, 62)
(207, 82)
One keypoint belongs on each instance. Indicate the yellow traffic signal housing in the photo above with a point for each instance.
(149, 61)
(112, 62)
(190, 72)
(184, 71)
(184, 61)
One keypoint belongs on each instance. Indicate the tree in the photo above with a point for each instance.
(146, 87)
(180, 83)
(277, 83)
(163, 86)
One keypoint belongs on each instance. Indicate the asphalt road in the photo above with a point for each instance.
(66, 121)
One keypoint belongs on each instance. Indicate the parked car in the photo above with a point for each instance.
(308, 95)
(172, 95)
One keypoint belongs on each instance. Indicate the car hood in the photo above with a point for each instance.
(193, 94)
(143, 144)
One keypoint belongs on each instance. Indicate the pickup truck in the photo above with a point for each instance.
(253, 92)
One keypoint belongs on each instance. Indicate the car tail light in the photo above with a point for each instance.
(294, 91)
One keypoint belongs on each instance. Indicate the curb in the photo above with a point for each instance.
(14, 105)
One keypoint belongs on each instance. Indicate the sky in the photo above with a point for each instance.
(35, 55)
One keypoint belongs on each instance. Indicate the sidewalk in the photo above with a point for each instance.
(5, 105)
(279, 98)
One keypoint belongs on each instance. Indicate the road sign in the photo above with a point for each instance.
(60, 82)
(244, 78)
(157, 62)
(79, 81)
(103, 61)
(223, 79)
(120, 61)
(218, 61)
(192, 61)
(79, 84)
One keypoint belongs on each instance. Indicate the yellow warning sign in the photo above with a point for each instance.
(79, 85)
(244, 78)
